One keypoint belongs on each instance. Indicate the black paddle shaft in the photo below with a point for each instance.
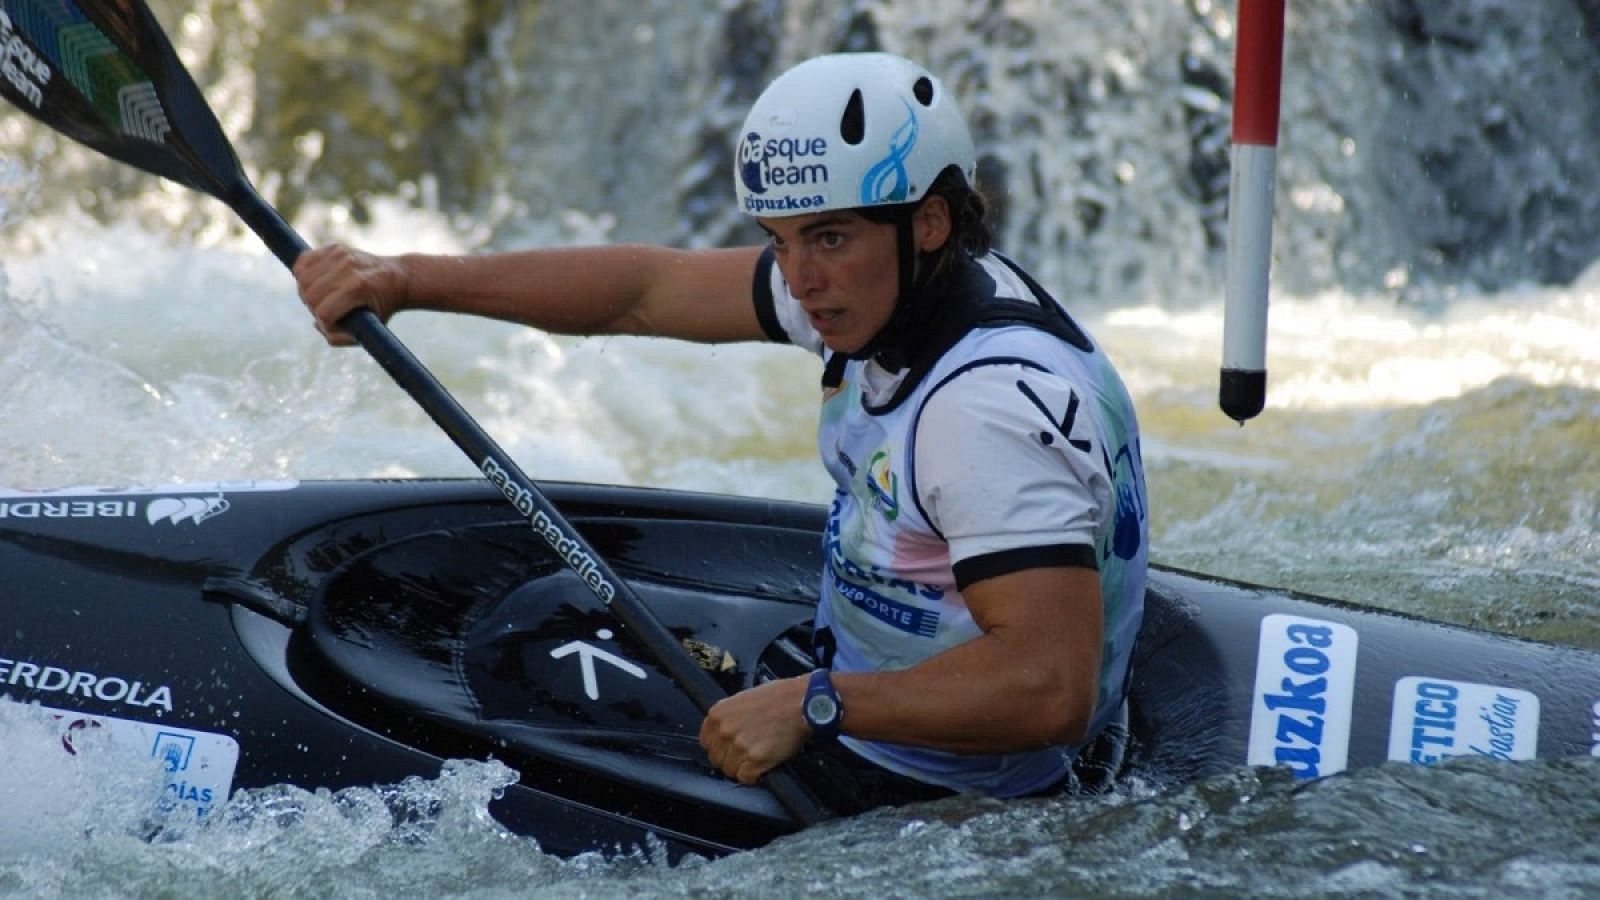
(104, 73)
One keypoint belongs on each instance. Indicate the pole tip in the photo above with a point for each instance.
(1243, 393)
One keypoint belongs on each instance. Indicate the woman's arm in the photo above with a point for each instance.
(702, 295)
(1029, 681)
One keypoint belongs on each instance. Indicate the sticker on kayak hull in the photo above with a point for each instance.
(199, 764)
(1304, 692)
(184, 504)
(1435, 719)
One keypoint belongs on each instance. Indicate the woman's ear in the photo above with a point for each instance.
(931, 224)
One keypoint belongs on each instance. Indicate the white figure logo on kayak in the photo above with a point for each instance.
(178, 509)
(587, 654)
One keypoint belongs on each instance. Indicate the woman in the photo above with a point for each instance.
(986, 545)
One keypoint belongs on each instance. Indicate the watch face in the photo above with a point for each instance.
(821, 709)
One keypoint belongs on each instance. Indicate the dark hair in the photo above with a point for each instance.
(969, 227)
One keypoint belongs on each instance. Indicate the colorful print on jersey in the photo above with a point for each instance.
(883, 486)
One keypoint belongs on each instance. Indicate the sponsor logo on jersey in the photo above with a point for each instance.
(1127, 531)
(1434, 719)
(845, 460)
(901, 616)
(906, 605)
(1304, 691)
(883, 486)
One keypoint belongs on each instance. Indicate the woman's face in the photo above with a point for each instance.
(845, 270)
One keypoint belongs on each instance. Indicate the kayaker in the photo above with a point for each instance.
(986, 546)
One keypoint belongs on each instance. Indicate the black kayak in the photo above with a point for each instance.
(332, 634)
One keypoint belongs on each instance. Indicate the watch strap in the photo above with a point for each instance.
(822, 709)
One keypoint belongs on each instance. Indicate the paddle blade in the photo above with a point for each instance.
(103, 73)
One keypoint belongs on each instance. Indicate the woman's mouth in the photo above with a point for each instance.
(825, 320)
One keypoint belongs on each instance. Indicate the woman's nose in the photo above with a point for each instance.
(807, 275)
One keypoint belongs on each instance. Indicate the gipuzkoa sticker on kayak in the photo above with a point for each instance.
(199, 764)
(1435, 719)
(1304, 692)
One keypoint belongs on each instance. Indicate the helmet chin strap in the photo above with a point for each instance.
(888, 346)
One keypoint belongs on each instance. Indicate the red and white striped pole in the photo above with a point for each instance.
(1257, 78)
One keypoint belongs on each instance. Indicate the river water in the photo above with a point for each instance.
(1428, 444)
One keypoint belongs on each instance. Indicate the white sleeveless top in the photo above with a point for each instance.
(1016, 450)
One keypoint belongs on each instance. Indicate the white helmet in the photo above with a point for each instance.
(845, 131)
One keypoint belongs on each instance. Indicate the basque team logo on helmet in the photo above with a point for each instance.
(845, 131)
(794, 169)
(750, 163)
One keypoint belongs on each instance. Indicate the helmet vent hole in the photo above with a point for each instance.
(923, 91)
(853, 125)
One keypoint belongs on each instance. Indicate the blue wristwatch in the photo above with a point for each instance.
(822, 709)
